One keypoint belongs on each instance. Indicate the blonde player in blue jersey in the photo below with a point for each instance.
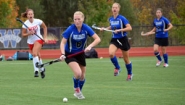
(74, 41)
(119, 40)
(161, 27)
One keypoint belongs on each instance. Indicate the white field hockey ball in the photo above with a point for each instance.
(65, 99)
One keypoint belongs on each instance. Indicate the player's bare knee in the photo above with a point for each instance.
(127, 61)
(82, 77)
(34, 54)
(111, 55)
(155, 51)
(78, 75)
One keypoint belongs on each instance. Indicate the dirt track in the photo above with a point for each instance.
(103, 52)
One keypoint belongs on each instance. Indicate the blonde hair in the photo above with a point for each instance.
(79, 13)
(160, 9)
(117, 4)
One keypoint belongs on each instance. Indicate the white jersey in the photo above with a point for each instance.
(35, 26)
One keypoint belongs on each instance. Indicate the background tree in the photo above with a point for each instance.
(31, 4)
(127, 10)
(8, 13)
(58, 12)
(97, 12)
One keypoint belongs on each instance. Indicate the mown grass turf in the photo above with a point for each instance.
(150, 86)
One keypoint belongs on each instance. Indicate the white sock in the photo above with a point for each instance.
(40, 62)
(35, 60)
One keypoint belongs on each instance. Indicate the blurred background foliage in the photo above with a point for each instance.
(140, 13)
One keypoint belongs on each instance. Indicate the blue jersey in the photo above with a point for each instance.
(118, 23)
(160, 25)
(76, 40)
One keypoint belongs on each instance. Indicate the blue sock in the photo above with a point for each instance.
(76, 82)
(165, 56)
(115, 62)
(157, 54)
(81, 84)
(129, 68)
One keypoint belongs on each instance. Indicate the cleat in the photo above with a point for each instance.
(165, 65)
(129, 77)
(158, 63)
(79, 95)
(116, 72)
(36, 74)
(42, 73)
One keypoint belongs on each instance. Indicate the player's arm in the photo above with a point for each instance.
(45, 30)
(107, 28)
(94, 43)
(62, 48)
(169, 27)
(127, 28)
(26, 33)
(148, 33)
(62, 45)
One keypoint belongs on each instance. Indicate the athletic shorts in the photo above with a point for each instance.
(31, 45)
(121, 43)
(80, 59)
(161, 41)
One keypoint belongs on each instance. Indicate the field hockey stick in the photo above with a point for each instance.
(98, 28)
(56, 60)
(28, 27)
(147, 33)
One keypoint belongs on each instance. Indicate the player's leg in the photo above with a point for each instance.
(163, 49)
(165, 56)
(77, 75)
(157, 54)
(125, 47)
(156, 51)
(128, 64)
(113, 58)
(82, 79)
(35, 59)
(35, 52)
(42, 69)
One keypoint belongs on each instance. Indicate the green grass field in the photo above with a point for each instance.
(150, 85)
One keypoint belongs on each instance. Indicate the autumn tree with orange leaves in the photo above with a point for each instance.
(8, 13)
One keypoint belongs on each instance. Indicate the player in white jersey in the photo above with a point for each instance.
(35, 40)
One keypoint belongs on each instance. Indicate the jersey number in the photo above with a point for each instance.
(78, 44)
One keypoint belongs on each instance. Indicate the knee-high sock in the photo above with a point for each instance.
(35, 60)
(157, 54)
(81, 84)
(76, 84)
(40, 62)
(115, 62)
(129, 68)
(165, 56)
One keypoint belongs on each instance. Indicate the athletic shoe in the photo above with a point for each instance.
(36, 74)
(42, 73)
(116, 72)
(158, 63)
(129, 77)
(79, 95)
(165, 65)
